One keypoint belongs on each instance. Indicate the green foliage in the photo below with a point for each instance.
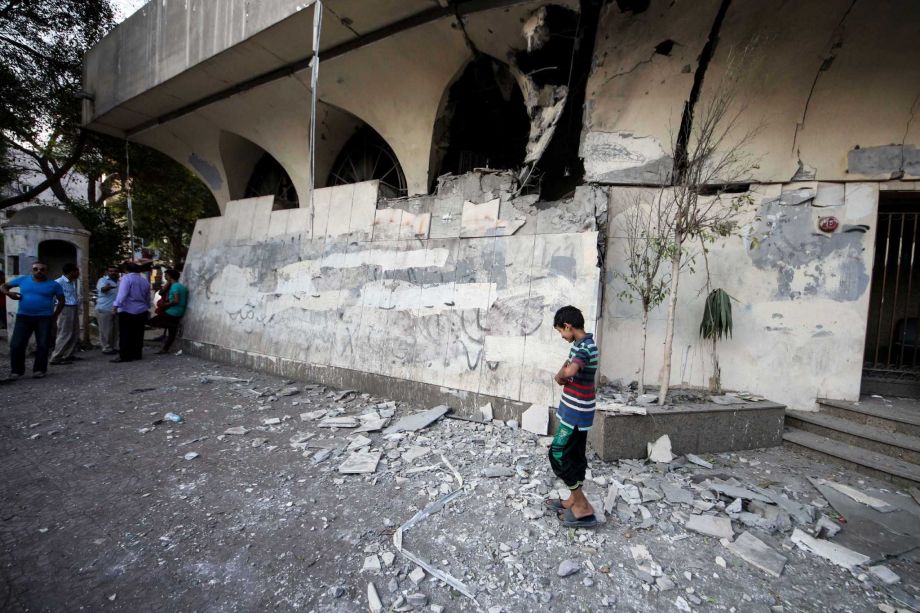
(717, 315)
(167, 200)
(107, 244)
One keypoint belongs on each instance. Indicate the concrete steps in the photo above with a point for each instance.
(874, 438)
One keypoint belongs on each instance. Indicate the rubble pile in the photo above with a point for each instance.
(478, 530)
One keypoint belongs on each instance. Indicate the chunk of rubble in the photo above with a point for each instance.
(373, 600)
(288, 391)
(884, 574)
(660, 450)
(271, 421)
(417, 421)
(646, 399)
(644, 561)
(236, 431)
(313, 415)
(568, 568)
(630, 494)
(191, 455)
(758, 554)
(338, 422)
(222, 379)
(711, 525)
(371, 563)
(361, 462)
(486, 412)
(536, 419)
(675, 494)
(497, 471)
(870, 501)
(374, 424)
(695, 459)
(358, 442)
(826, 527)
(417, 575)
(733, 491)
(837, 554)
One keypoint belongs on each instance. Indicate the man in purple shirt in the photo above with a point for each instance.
(132, 304)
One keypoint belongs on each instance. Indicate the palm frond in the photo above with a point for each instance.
(717, 315)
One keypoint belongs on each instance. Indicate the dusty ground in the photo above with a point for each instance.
(100, 510)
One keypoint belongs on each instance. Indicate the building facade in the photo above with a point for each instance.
(475, 162)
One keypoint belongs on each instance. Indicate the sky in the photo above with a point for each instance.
(126, 8)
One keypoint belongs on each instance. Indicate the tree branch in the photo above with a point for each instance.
(47, 183)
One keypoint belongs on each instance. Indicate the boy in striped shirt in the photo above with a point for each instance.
(576, 415)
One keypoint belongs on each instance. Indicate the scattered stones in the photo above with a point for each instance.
(756, 553)
(568, 567)
(271, 421)
(371, 563)
(497, 471)
(287, 391)
(417, 600)
(191, 455)
(236, 431)
(417, 575)
(720, 561)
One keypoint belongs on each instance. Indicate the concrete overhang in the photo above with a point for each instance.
(175, 56)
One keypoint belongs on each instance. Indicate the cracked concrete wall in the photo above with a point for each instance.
(832, 86)
(802, 297)
(420, 289)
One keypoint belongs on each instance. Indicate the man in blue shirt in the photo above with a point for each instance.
(106, 319)
(36, 315)
(67, 333)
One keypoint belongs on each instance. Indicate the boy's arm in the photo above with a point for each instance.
(568, 370)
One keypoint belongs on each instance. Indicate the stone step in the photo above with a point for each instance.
(894, 444)
(892, 419)
(865, 461)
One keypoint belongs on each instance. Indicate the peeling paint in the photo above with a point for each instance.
(884, 160)
(621, 157)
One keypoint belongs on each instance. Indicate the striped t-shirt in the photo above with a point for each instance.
(576, 406)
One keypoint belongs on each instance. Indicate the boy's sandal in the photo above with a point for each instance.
(553, 504)
(570, 521)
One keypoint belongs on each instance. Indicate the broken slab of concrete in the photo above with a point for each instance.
(711, 525)
(417, 421)
(536, 419)
(373, 600)
(695, 459)
(861, 497)
(837, 554)
(884, 574)
(758, 554)
(359, 463)
(660, 450)
(675, 494)
(236, 431)
(733, 491)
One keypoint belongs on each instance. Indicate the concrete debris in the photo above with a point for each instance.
(630, 494)
(620, 408)
(710, 525)
(338, 422)
(313, 415)
(358, 442)
(371, 563)
(695, 459)
(676, 494)
(512, 423)
(191, 455)
(803, 514)
(733, 491)
(682, 605)
(568, 568)
(373, 424)
(345, 394)
(387, 557)
(664, 584)
(826, 527)
(417, 575)
(236, 431)
(757, 553)
(734, 507)
(838, 554)
(644, 561)
(414, 452)
(915, 493)
(287, 391)
(660, 450)
(486, 412)
(373, 600)
(271, 421)
(360, 462)
(497, 471)
(417, 421)
(536, 419)
(417, 600)
(870, 501)
(221, 379)
(884, 574)
(727, 399)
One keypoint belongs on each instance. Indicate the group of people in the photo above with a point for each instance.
(49, 311)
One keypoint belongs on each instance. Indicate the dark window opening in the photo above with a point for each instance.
(549, 63)
(484, 123)
(269, 178)
(54, 254)
(13, 268)
(367, 157)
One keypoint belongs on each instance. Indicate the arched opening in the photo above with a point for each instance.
(484, 121)
(269, 178)
(251, 172)
(56, 253)
(366, 157)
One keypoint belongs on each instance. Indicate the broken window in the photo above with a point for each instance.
(366, 157)
(269, 178)
(484, 122)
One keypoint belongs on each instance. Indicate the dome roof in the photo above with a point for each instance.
(44, 216)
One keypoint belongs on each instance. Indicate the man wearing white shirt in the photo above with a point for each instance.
(106, 318)
(68, 324)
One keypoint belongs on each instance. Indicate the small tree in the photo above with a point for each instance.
(708, 166)
(646, 249)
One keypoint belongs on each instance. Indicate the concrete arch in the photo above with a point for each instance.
(243, 160)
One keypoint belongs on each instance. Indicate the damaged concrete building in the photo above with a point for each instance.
(473, 159)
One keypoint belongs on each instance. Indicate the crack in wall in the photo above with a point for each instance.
(910, 120)
(686, 120)
(836, 42)
(631, 70)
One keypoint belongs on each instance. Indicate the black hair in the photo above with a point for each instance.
(569, 315)
(69, 267)
(173, 274)
(132, 266)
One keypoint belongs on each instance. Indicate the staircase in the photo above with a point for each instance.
(875, 437)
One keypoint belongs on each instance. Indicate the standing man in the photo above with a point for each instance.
(68, 324)
(132, 304)
(36, 315)
(107, 290)
(175, 301)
